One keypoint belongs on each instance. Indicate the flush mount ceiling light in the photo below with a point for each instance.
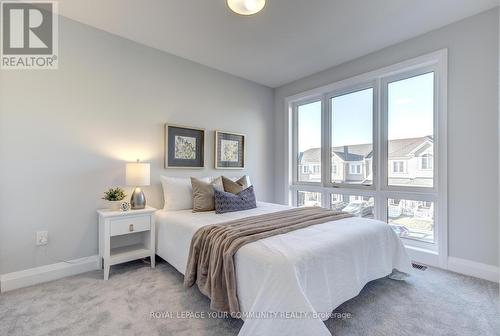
(246, 7)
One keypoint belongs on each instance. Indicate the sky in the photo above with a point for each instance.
(410, 114)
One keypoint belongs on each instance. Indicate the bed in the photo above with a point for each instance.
(288, 284)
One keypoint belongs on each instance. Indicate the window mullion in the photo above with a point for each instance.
(326, 142)
(326, 151)
(295, 151)
(380, 154)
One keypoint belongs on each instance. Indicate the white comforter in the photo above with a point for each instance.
(308, 272)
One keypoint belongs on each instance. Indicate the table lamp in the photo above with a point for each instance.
(137, 176)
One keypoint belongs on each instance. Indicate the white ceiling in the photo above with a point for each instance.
(288, 40)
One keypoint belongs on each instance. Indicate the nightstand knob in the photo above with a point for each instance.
(131, 227)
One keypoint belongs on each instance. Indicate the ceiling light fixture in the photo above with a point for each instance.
(246, 7)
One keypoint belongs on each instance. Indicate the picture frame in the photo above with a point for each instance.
(230, 150)
(184, 147)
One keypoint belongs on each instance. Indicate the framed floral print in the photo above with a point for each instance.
(229, 150)
(184, 147)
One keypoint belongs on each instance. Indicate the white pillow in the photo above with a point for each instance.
(178, 193)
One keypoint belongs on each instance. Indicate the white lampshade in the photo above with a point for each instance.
(246, 7)
(137, 174)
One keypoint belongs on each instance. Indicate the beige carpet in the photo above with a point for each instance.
(431, 302)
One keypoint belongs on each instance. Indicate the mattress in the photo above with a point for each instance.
(305, 273)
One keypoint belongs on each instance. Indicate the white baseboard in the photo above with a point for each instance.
(475, 269)
(457, 265)
(33, 276)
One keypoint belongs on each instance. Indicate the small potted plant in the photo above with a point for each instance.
(114, 197)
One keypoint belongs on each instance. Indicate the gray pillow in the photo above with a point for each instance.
(235, 187)
(203, 194)
(229, 202)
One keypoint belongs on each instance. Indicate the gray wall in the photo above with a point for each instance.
(65, 136)
(472, 125)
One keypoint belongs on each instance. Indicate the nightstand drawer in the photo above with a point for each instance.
(130, 225)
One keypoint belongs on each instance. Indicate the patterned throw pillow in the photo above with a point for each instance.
(228, 202)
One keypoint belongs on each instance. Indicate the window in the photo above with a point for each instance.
(410, 109)
(334, 169)
(352, 134)
(358, 206)
(393, 202)
(426, 162)
(335, 198)
(309, 141)
(412, 219)
(306, 198)
(354, 168)
(386, 162)
(398, 167)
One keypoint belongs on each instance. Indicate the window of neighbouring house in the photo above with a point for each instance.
(426, 162)
(351, 116)
(308, 140)
(334, 169)
(398, 167)
(354, 169)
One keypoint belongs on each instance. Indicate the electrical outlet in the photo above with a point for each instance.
(42, 238)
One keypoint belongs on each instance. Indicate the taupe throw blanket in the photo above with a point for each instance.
(211, 265)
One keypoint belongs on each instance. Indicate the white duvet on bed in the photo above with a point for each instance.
(304, 272)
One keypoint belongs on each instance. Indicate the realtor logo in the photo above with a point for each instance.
(29, 35)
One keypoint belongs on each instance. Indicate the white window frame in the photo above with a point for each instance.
(432, 254)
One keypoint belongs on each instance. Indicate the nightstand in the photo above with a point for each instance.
(113, 225)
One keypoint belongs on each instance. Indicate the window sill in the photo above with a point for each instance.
(427, 246)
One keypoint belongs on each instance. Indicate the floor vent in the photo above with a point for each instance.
(419, 267)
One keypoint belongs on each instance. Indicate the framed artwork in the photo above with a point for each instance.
(229, 150)
(184, 147)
